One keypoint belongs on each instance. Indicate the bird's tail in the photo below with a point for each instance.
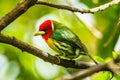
(92, 58)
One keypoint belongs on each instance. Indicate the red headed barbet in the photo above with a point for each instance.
(62, 40)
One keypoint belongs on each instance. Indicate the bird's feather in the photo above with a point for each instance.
(66, 42)
(62, 40)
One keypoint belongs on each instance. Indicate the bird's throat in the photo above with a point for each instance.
(47, 35)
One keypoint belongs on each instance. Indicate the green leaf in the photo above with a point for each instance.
(105, 75)
(116, 77)
(115, 55)
(99, 59)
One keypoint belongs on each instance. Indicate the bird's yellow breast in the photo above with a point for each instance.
(50, 43)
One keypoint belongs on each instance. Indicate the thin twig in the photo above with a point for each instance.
(23, 7)
(92, 68)
(43, 55)
(109, 66)
(84, 73)
(73, 9)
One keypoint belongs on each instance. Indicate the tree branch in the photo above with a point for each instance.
(43, 55)
(22, 7)
(73, 9)
(110, 66)
(87, 72)
(16, 12)
(90, 68)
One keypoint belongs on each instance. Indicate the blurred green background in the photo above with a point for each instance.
(97, 31)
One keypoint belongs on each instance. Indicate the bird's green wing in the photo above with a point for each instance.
(64, 49)
(64, 34)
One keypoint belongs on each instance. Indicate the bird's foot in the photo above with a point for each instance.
(58, 58)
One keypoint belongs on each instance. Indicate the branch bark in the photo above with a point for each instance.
(21, 8)
(43, 55)
(90, 68)
(87, 72)
(109, 66)
(73, 9)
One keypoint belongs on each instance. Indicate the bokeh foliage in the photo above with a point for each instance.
(22, 66)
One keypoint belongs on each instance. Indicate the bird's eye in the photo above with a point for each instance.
(45, 29)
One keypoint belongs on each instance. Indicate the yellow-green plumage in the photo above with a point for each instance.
(63, 40)
(66, 42)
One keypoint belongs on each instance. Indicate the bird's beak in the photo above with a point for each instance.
(39, 33)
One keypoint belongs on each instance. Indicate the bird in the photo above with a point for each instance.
(62, 40)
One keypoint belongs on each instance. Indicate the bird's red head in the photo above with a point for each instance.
(47, 27)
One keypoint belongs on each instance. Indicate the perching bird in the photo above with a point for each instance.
(62, 40)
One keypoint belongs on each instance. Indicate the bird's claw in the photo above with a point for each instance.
(58, 58)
